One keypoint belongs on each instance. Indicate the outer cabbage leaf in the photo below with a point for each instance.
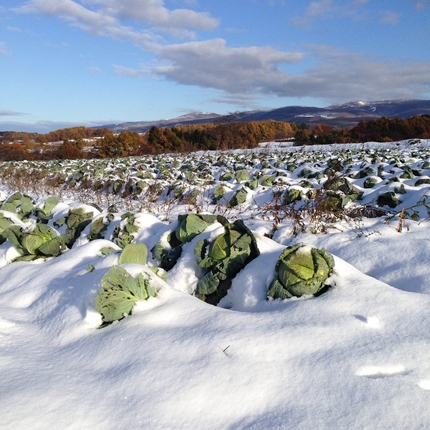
(134, 253)
(98, 227)
(218, 192)
(10, 207)
(221, 247)
(4, 223)
(242, 175)
(267, 180)
(238, 199)
(54, 247)
(161, 273)
(207, 285)
(158, 251)
(26, 206)
(106, 250)
(50, 204)
(31, 242)
(189, 227)
(13, 235)
(120, 292)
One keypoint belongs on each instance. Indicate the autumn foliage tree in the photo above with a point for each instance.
(388, 130)
(376, 130)
(13, 152)
(211, 136)
(70, 151)
(125, 144)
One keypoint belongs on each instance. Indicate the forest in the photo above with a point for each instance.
(83, 142)
(380, 130)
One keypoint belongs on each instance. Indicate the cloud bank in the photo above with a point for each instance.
(243, 73)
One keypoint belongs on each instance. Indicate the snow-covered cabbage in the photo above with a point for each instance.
(42, 241)
(189, 226)
(18, 203)
(238, 198)
(120, 291)
(301, 270)
(223, 259)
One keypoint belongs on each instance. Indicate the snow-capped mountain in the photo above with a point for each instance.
(343, 115)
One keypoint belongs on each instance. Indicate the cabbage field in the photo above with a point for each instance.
(282, 287)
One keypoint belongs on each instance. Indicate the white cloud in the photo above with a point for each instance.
(94, 70)
(212, 64)
(389, 17)
(343, 76)
(247, 101)
(421, 4)
(105, 17)
(317, 9)
(3, 49)
(18, 30)
(129, 72)
(93, 22)
(10, 113)
(243, 74)
(328, 9)
(155, 13)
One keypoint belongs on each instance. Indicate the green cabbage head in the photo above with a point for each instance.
(301, 270)
(120, 291)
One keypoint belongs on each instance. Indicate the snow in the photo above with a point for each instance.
(356, 357)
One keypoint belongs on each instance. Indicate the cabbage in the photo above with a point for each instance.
(223, 259)
(242, 175)
(18, 203)
(189, 226)
(267, 180)
(301, 270)
(238, 198)
(120, 292)
(43, 241)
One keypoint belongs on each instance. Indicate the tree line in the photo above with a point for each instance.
(210, 137)
(187, 138)
(376, 130)
(155, 141)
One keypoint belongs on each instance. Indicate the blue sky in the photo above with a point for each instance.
(93, 62)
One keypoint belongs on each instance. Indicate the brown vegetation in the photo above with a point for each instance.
(375, 130)
(82, 142)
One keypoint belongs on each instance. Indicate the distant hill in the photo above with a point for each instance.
(190, 118)
(344, 115)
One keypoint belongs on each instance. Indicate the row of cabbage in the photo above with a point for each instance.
(45, 228)
(379, 176)
(49, 228)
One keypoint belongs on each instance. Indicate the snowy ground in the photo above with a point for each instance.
(356, 357)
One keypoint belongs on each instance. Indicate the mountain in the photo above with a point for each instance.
(344, 115)
(189, 118)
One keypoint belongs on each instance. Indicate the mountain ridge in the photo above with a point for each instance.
(344, 115)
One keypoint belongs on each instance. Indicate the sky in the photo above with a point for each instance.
(95, 62)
